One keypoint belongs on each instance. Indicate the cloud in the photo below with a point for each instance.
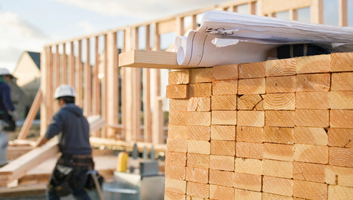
(87, 27)
(16, 36)
(140, 8)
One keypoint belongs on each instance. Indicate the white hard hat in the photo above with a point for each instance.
(64, 91)
(4, 71)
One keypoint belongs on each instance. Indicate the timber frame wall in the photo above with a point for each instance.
(101, 96)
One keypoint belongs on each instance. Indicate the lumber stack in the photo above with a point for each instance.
(280, 129)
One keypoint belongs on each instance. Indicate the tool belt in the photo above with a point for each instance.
(76, 160)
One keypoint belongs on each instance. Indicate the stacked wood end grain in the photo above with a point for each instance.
(280, 129)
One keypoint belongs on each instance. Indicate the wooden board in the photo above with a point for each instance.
(282, 67)
(222, 147)
(225, 163)
(250, 134)
(309, 172)
(313, 82)
(280, 118)
(309, 135)
(200, 90)
(223, 132)
(249, 101)
(341, 62)
(199, 133)
(247, 182)
(224, 117)
(278, 135)
(342, 176)
(198, 161)
(309, 190)
(252, 70)
(278, 186)
(340, 138)
(279, 152)
(312, 118)
(179, 77)
(226, 102)
(285, 101)
(251, 118)
(196, 175)
(342, 81)
(177, 92)
(251, 86)
(249, 150)
(312, 100)
(281, 84)
(247, 195)
(313, 64)
(220, 192)
(276, 168)
(225, 87)
(248, 166)
(225, 72)
(222, 178)
(200, 147)
(198, 189)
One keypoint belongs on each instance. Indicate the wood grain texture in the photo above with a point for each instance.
(342, 81)
(278, 135)
(251, 86)
(200, 147)
(309, 172)
(249, 101)
(251, 118)
(222, 147)
(311, 153)
(168, 195)
(220, 192)
(200, 90)
(175, 186)
(339, 193)
(248, 166)
(285, 101)
(280, 118)
(313, 82)
(247, 182)
(175, 158)
(175, 172)
(225, 163)
(226, 102)
(198, 161)
(225, 72)
(177, 145)
(224, 117)
(341, 118)
(199, 133)
(282, 67)
(197, 175)
(177, 132)
(341, 100)
(201, 104)
(278, 186)
(178, 118)
(198, 189)
(199, 118)
(341, 62)
(204, 75)
(341, 157)
(276, 168)
(285, 84)
(178, 105)
(313, 64)
(179, 77)
(278, 152)
(268, 196)
(223, 132)
(247, 195)
(312, 118)
(222, 178)
(309, 135)
(252, 70)
(225, 87)
(340, 138)
(249, 150)
(309, 190)
(312, 100)
(250, 134)
(342, 176)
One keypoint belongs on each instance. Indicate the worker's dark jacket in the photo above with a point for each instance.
(5, 98)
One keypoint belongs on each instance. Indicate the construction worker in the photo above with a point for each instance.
(8, 115)
(69, 175)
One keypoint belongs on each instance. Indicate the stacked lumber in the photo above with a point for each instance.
(280, 129)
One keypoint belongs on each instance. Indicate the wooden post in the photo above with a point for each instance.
(105, 86)
(113, 82)
(129, 136)
(72, 65)
(293, 14)
(194, 22)
(50, 84)
(225, 8)
(259, 8)
(57, 74)
(79, 79)
(136, 93)
(234, 8)
(64, 70)
(88, 82)
(44, 87)
(96, 83)
(317, 9)
(123, 94)
(179, 27)
(252, 8)
(343, 12)
(147, 87)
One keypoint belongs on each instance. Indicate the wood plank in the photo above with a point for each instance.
(79, 76)
(199, 133)
(313, 82)
(273, 6)
(252, 70)
(313, 64)
(312, 100)
(198, 189)
(178, 105)
(203, 75)
(342, 81)
(249, 101)
(281, 84)
(251, 118)
(342, 176)
(200, 90)
(225, 163)
(309, 190)
(340, 138)
(225, 72)
(282, 67)
(341, 157)
(196, 175)
(222, 178)
(312, 118)
(284, 101)
(309, 172)
(309, 135)
(225, 87)
(220, 192)
(224, 117)
(339, 193)
(178, 118)
(201, 104)
(222, 147)
(175, 186)
(341, 62)
(251, 86)
(248, 166)
(175, 159)
(198, 161)
(278, 152)
(341, 100)
(247, 182)
(278, 186)
(177, 145)
(178, 132)
(276, 168)
(279, 135)
(249, 150)
(175, 172)
(150, 59)
(247, 195)
(177, 92)
(88, 82)
(341, 118)
(166, 26)
(267, 196)
(250, 134)
(343, 12)
(199, 118)
(199, 147)
(223, 132)
(179, 77)
(280, 118)
(226, 102)
(95, 80)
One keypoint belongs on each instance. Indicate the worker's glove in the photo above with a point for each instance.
(14, 115)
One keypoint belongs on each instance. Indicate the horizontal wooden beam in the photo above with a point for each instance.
(150, 59)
